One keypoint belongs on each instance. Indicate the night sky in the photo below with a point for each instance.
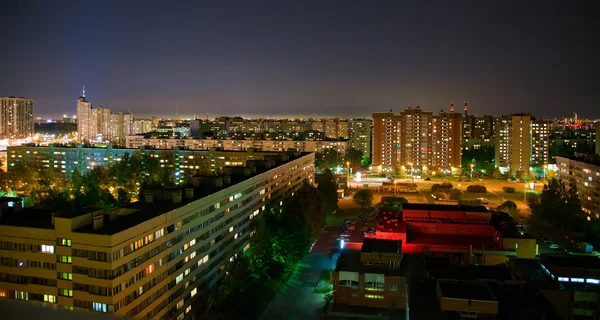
(311, 58)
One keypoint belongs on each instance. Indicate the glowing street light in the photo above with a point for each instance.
(472, 165)
(348, 170)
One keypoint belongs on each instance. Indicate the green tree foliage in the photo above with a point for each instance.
(497, 174)
(455, 194)
(327, 186)
(482, 157)
(508, 206)
(354, 157)
(364, 198)
(508, 189)
(308, 206)
(519, 174)
(476, 188)
(559, 205)
(391, 201)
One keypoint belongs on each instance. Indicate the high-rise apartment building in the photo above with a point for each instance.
(386, 141)
(540, 143)
(446, 140)
(151, 259)
(360, 131)
(521, 143)
(16, 118)
(100, 125)
(417, 140)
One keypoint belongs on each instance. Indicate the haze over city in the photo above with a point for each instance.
(306, 58)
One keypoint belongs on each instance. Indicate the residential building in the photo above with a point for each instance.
(371, 276)
(417, 140)
(151, 259)
(583, 172)
(446, 140)
(183, 162)
(16, 118)
(360, 132)
(540, 143)
(576, 290)
(341, 146)
(522, 143)
(386, 141)
(471, 234)
(100, 125)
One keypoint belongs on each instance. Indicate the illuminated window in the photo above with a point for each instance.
(50, 298)
(47, 249)
(194, 291)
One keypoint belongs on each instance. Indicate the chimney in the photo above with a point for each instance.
(98, 221)
(177, 196)
(451, 106)
(148, 197)
(189, 193)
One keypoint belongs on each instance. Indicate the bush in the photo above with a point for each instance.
(455, 195)
(441, 196)
(508, 189)
(444, 187)
(476, 188)
(508, 206)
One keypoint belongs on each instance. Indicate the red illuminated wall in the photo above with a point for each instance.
(451, 228)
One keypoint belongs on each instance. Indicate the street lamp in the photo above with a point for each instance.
(472, 165)
(348, 170)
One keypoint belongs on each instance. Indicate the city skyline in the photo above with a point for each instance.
(323, 59)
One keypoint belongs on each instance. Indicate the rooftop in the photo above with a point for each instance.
(443, 207)
(448, 240)
(466, 290)
(349, 260)
(440, 269)
(571, 261)
(586, 158)
(373, 245)
(27, 217)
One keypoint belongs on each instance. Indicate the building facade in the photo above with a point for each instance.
(152, 259)
(360, 132)
(521, 143)
(100, 125)
(341, 146)
(417, 140)
(584, 173)
(183, 162)
(16, 118)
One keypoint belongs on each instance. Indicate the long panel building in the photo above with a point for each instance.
(137, 141)
(583, 172)
(151, 259)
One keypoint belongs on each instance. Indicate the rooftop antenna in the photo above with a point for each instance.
(466, 107)
(83, 91)
(451, 106)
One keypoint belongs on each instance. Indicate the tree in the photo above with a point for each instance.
(559, 205)
(364, 198)
(327, 186)
(308, 205)
(490, 169)
(331, 158)
(519, 174)
(497, 174)
(455, 195)
(354, 157)
(532, 175)
(551, 174)
(508, 206)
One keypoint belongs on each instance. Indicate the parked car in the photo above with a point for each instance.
(427, 179)
(554, 246)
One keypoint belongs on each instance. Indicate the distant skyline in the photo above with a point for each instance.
(302, 58)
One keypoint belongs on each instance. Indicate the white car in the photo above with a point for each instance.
(554, 246)
(484, 200)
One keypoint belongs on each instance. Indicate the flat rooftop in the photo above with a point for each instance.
(466, 290)
(570, 261)
(443, 207)
(450, 240)
(27, 217)
(374, 245)
(349, 260)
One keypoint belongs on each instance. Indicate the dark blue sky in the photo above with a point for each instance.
(329, 58)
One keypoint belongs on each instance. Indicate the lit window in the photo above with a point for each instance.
(194, 291)
(47, 249)
(594, 281)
